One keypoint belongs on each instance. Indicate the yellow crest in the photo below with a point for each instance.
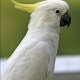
(25, 7)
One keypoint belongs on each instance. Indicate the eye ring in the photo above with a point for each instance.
(58, 11)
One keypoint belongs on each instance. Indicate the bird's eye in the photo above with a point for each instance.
(57, 11)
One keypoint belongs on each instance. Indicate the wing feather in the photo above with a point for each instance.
(30, 63)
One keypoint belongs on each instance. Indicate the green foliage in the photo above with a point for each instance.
(14, 27)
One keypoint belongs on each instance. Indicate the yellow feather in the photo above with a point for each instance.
(25, 7)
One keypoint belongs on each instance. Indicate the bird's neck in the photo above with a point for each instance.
(44, 21)
(48, 35)
(44, 30)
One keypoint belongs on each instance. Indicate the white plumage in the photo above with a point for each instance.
(35, 56)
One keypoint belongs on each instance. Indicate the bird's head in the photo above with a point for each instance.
(56, 10)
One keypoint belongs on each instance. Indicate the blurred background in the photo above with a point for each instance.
(14, 24)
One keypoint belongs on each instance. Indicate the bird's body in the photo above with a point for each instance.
(34, 58)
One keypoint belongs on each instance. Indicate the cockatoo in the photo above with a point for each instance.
(34, 58)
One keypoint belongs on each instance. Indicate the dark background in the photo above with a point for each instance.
(14, 27)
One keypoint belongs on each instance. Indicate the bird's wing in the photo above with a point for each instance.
(31, 64)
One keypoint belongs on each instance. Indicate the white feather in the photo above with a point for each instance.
(35, 56)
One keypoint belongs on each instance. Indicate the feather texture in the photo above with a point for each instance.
(34, 58)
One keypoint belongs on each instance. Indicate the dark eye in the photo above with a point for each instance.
(57, 11)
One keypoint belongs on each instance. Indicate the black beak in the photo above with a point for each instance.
(65, 20)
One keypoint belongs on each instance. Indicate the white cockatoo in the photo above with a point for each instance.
(34, 58)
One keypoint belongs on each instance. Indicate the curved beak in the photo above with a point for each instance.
(65, 20)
